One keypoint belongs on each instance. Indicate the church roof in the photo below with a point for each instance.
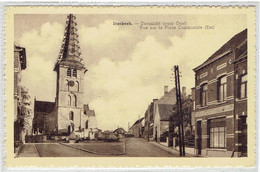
(70, 50)
(87, 111)
(42, 106)
(234, 42)
(90, 113)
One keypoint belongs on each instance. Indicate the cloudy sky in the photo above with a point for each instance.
(127, 66)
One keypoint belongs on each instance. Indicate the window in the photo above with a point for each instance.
(243, 86)
(75, 73)
(69, 72)
(68, 86)
(222, 89)
(69, 100)
(217, 133)
(86, 124)
(71, 116)
(204, 95)
(75, 101)
(77, 86)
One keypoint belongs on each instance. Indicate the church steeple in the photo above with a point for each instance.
(70, 50)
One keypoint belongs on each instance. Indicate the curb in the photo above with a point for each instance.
(36, 150)
(85, 150)
(172, 151)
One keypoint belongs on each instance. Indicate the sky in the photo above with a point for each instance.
(127, 66)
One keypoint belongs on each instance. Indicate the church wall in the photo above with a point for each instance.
(64, 121)
(51, 122)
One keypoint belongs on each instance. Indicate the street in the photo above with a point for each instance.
(135, 147)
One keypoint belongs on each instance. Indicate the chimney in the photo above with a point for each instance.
(184, 92)
(165, 89)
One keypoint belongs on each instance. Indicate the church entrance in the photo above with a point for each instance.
(69, 129)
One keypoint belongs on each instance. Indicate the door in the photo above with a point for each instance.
(244, 136)
(199, 137)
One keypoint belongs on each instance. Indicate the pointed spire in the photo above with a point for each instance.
(70, 49)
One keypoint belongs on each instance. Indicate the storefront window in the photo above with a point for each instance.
(217, 133)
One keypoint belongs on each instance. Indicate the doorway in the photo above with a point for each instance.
(199, 137)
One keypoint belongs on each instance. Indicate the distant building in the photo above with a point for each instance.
(137, 129)
(149, 121)
(220, 109)
(119, 132)
(163, 109)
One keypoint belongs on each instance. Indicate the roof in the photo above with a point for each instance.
(42, 106)
(90, 113)
(138, 121)
(165, 111)
(168, 98)
(234, 42)
(70, 50)
(87, 111)
(119, 129)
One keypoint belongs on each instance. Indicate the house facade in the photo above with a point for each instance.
(137, 129)
(220, 103)
(149, 121)
(163, 109)
(19, 65)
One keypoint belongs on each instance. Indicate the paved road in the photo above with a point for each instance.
(135, 147)
(138, 147)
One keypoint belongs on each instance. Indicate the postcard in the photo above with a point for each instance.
(130, 86)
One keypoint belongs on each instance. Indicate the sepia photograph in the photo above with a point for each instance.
(132, 84)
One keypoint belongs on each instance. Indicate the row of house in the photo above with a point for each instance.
(215, 115)
(23, 106)
(159, 122)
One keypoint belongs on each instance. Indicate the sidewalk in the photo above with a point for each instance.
(28, 150)
(169, 149)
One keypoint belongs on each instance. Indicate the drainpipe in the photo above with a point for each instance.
(234, 101)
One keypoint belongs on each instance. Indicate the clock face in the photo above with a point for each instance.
(71, 83)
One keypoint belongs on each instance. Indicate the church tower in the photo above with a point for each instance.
(70, 80)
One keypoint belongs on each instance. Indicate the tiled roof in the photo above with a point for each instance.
(90, 113)
(168, 98)
(230, 45)
(165, 111)
(42, 106)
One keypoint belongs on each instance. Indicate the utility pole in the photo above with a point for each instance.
(177, 103)
(179, 110)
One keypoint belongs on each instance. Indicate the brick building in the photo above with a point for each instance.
(220, 107)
